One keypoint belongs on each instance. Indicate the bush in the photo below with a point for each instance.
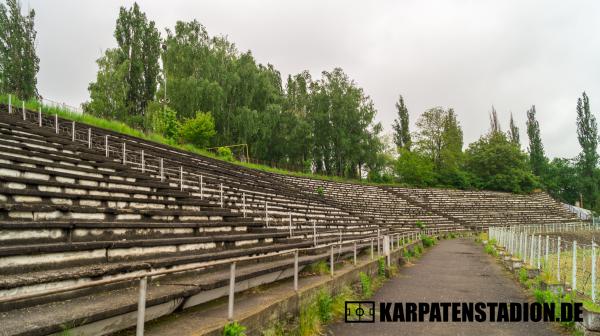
(324, 302)
(428, 241)
(198, 130)
(234, 329)
(225, 153)
(365, 285)
(320, 191)
(419, 224)
(489, 249)
(381, 267)
(163, 121)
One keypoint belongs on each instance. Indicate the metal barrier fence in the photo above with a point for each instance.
(552, 250)
(385, 244)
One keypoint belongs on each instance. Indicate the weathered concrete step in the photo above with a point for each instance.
(178, 291)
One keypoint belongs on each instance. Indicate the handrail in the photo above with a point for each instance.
(179, 270)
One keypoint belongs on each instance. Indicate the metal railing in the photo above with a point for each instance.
(553, 249)
(393, 243)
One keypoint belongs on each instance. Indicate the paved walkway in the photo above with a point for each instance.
(454, 271)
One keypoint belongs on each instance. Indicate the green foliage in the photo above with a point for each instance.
(225, 153)
(19, 63)
(402, 137)
(537, 157)
(489, 249)
(513, 132)
(320, 267)
(365, 285)
(523, 277)
(198, 130)
(414, 169)
(428, 241)
(163, 120)
(234, 329)
(498, 164)
(419, 224)
(418, 251)
(309, 323)
(587, 134)
(381, 267)
(320, 191)
(324, 302)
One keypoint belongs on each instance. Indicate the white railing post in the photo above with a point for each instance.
(574, 267)
(314, 232)
(231, 291)
(106, 145)
(181, 178)
(354, 253)
(532, 248)
(202, 189)
(56, 123)
(290, 222)
(296, 270)
(378, 238)
(331, 261)
(593, 271)
(73, 131)
(23, 109)
(162, 170)
(547, 247)
(244, 204)
(143, 159)
(267, 213)
(124, 154)
(40, 115)
(221, 191)
(372, 250)
(9, 104)
(558, 260)
(539, 252)
(89, 138)
(141, 312)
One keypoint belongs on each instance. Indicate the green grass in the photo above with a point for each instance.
(489, 249)
(234, 329)
(366, 286)
(319, 268)
(428, 241)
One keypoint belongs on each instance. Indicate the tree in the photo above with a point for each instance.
(587, 134)
(451, 154)
(562, 180)
(128, 75)
(19, 63)
(414, 169)
(139, 45)
(494, 122)
(513, 132)
(495, 163)
(108, 92)
(537, 158)
(402, 137)
(198, 130)
(429, 137)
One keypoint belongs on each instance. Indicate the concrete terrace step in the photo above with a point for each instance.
(164, 295)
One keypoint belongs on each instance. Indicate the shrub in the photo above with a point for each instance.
(428, 241)
(234, 329)
(225, 153)
(320, 191)
(419, 224)
(523, 275)
(198, 130)
(163, 121)
(324, 302)
(365, 285)
(381, 267)
(489, 249)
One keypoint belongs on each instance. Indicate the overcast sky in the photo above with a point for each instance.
(468, 55)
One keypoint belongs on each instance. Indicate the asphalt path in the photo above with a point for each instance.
(455, 270)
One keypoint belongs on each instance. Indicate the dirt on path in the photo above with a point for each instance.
(454, 271)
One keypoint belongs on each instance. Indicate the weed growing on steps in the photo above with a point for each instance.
(489, 249)
(523, 275)
(318, 268)
(324, 302)
(365, 285)
(234, 329)
(428, 241)
(419, 224)
(381, 267)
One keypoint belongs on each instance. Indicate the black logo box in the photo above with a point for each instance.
(359, 312)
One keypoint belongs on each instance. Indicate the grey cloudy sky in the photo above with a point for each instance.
(468, 55)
